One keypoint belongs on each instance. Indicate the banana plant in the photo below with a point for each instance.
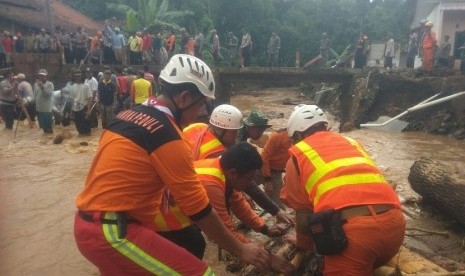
(148, 14)
(339, 59)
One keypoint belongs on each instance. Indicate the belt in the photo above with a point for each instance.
(364, 210)
(100, 217)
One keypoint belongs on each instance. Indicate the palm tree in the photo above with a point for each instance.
(149, 13)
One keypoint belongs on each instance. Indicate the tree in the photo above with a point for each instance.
(150, 13)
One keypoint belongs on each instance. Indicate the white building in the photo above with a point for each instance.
(448, 17)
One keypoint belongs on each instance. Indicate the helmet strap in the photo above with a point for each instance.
(219, 133)
(179, 111)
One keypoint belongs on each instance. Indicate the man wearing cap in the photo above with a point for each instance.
(254, 126)
(119, 43)
(43, 42)
(43, 92)
(428, 46)
(26, 93)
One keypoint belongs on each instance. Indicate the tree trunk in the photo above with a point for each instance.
(439, 187)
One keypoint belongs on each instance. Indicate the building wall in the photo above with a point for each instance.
(453, 21)
(376, 53)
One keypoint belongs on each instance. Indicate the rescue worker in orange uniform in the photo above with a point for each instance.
(429, 45)
(224, 178)
(345, 209)
(140, 154)
(208, 141)
(275, 155)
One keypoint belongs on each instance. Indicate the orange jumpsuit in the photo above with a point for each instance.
(275, 155)
(429, 45)
(329, 171)
(140, 155)
(212, 177)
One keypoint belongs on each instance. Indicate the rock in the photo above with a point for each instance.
(460, 133)
(58, 139)
(83, 143)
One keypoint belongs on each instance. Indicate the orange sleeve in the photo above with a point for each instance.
(217, 200)
(241, 209)
(293, 192)
(270, 147)
(175, 164)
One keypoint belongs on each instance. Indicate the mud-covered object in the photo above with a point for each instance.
(439, 187)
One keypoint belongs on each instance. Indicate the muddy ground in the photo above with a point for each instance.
(39, 181)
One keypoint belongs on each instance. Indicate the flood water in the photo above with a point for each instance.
(39, 182)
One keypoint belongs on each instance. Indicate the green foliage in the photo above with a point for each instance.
(299, 23)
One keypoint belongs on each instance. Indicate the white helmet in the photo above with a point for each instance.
(303, 117)
(189, 69)
(226, 116)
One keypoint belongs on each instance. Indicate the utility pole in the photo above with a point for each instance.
(49, 15)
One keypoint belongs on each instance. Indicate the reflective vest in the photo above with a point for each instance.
(209, 170)
(429, 41)
(337, 173)
(170, 217)
(203, 142)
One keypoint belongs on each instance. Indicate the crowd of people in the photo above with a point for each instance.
(87, 96)
(111, 46)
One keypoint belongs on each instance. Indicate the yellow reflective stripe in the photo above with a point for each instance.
(161, 222)
(180, 216)
(351, 179)
(322, 168)
(133, 252)
(211, 171)
(209, 272)
(192, 126)
(210, 145)
(360, 149)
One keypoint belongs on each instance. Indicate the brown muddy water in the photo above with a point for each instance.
(39, 182)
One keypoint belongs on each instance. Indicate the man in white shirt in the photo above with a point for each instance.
(93, 84)
(389, 52)
(82, 103)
